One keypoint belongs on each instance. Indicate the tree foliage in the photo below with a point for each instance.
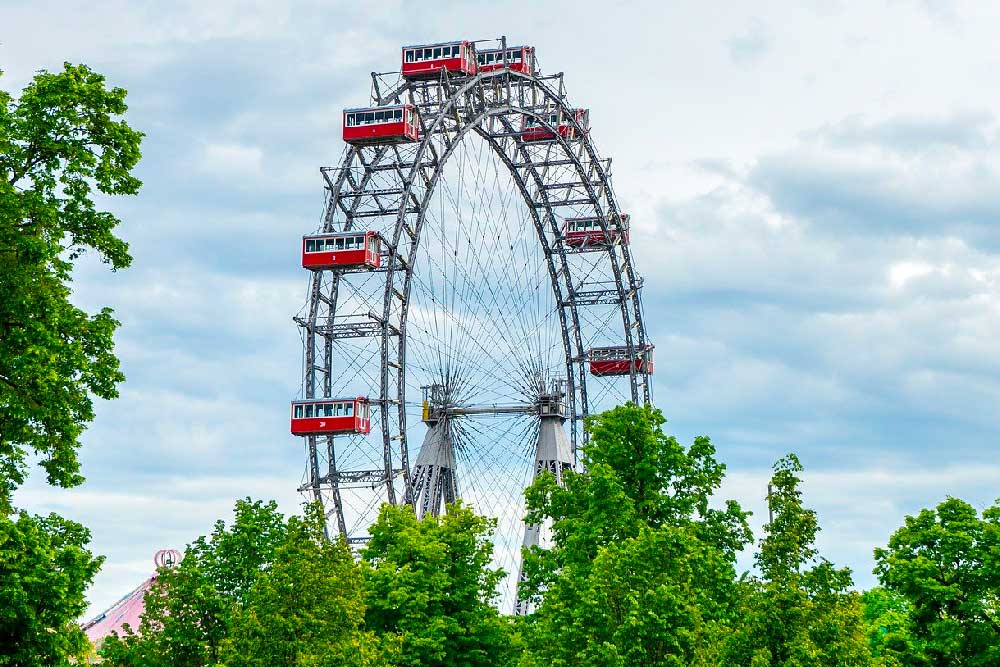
(266, 591)
(45, 567)
(945, 563)
(305, 609)
(189, 609)
(62, 143)
(800, 611)
(641, 569)
(890, 629)
(429, 588)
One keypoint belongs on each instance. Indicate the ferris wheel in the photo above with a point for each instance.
(472, 296)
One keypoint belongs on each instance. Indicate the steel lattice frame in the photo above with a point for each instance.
(389, 188)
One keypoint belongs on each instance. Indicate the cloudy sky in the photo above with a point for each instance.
(814, 188)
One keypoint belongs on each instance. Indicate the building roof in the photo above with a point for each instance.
(128, 609)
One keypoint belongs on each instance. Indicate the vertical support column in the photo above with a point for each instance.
(434, 484)
(553, 454)
(338, 502)
(314, 483)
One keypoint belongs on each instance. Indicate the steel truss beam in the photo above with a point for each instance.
(354, 477)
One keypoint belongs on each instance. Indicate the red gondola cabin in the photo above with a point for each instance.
(381, 125)
(331, 416)
(605, 361)
(342, 249)
(426, 61)
(580, 232)
(519, 59)
(533, 130)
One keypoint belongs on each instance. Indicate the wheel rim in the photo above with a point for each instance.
(387, 333)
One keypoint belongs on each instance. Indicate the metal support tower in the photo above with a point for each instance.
(434, 482)
(553, 455)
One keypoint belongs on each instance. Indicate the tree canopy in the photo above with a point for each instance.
(306, 608)
(189, 609)
(641, 571)
(270, 591)
(429, 589)
(800, 611)
(62, 141)
(945, 563)
(642, 568)
(890, 630)
(45, 568)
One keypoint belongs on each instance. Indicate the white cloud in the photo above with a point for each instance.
(902, 272)
(232, 161)
(750, 44)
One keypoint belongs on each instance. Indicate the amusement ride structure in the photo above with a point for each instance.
(472, 296)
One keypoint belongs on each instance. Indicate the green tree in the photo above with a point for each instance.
(945, 562)
(800, 611)
(61, 143)
(642, 569)
(45, 568)
(189, 609)
(889, 628)
(306, 609)
(664, 597)
(429, 588)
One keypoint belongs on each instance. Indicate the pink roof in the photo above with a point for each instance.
(127, 610)
(130, 608)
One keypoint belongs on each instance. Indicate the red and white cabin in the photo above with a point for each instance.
(605, 361)
(519, 59)
(381, 125)
(533, 130)
(425, 61)
(579, 232)
(342, 249)
(331, 416)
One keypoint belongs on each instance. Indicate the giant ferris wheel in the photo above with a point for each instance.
(472, 296)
